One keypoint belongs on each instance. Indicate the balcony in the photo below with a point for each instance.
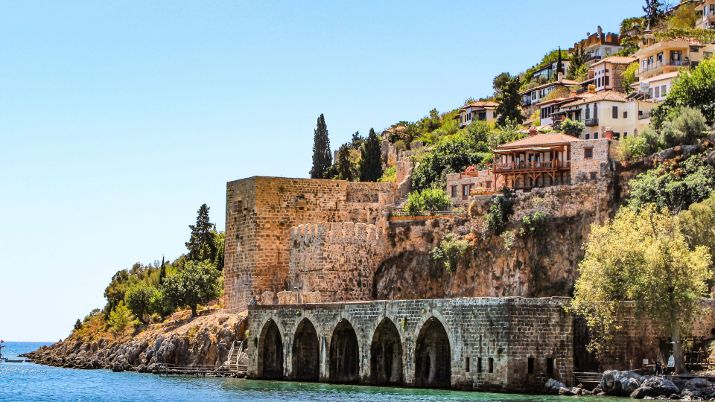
(660, 67)
(591, 122)
(530, 167)
(643, 115)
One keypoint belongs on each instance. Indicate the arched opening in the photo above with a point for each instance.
(386, 355)
(433, 367)
(270, 357)
(306, 362)
(344, 354)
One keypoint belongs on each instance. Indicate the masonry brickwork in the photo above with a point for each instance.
(502, 344)
(336, 260)
(260, 212)
(589, 160)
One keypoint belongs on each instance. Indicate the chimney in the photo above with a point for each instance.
(608, 134)
(533, 132)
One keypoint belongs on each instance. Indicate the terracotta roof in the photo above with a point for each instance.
(562, 82)
(484, 104)
(612, 96)
(549, 139)
(617, 60)
(659, 77)
(558, 100)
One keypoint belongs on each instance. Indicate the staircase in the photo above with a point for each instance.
(237, 361)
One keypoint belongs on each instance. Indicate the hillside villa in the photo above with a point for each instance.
(606, 74)
(478, 111)
(598, 45)
(705, 14)
(539, 160)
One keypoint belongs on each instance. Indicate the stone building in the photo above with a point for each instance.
(260, 212)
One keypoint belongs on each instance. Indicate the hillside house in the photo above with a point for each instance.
(478, 111)
(606, 74)
(461, 185)
(662, 57)
(706, 14)
(535, 95)
(655, 88)
(598, 46)
(607, 110)
(548, 73)
(548, 108)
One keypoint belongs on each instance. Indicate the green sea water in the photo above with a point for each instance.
(32, 382)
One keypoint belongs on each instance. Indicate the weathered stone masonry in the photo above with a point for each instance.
(260, 212)
(512, 343)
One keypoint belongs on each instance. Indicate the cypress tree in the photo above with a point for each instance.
(371, 163)
(201, 244)
(322, 157)
(343, 165)
(162, 270)
(506, 91)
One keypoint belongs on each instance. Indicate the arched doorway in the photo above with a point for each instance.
(306, 362)
(344, 354)
(386, 355)
(270, 357)
(433, 367)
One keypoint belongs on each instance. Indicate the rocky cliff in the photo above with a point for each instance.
(201, 341)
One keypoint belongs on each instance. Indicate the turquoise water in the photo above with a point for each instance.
(32, 382)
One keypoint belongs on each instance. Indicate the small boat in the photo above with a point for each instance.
(5, 359)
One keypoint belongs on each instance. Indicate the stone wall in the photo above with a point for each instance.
(596, 167)
(336, 260)
(259, 214)
(503, 344)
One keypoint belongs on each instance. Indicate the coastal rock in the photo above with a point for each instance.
(620, 383)
(553, 386)
(698, 388)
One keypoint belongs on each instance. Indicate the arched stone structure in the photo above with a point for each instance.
(344, 354)
(386, 355)
(270, 343)
(306, 352)
(433, 366)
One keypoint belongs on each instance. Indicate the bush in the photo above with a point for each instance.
(572, 127)
(673, 186)
(196, 283)
(389, 175)
(630, 77)
(686, 126)
(533, 224)
(138, 300)
(693, 89)
(121, 318)
(449, 251)
(500, 209)
(634, 147)
(432, 200)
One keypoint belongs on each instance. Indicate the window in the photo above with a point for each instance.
(489, 184)
(606, 81)
(657, 92)
(663, 90)
(625, 114)
(479, 364)
(588, 136)
(595, 136)
(466, 365)
(614, 112)
(530, 365)
(465, 191)
(549, 365)
(454, 191)
(482, 116)
(588, 153)
(491, 364)
(593, 176)
(625, 134)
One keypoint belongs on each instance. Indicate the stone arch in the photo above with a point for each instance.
(270, 351)
(386, 355)
(306, 352)
(344, 354)
(433, 356)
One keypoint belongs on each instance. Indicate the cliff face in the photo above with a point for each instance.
(205, 340)
(511, 264)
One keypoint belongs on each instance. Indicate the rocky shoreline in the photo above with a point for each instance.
(636, 386)
(200, 341)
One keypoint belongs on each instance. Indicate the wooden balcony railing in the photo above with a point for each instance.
(523, 167)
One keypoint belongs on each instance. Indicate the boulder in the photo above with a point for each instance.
(698, 388)
(620, 383)
(661, 386)
(553, 386)
(565, 391)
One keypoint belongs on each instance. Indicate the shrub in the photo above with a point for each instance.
(685, 126)
(121, 318)
(498, 215)
(432, 200)
(694, 89)
(629, 76)
(138, 300)
(389, 175)
(634, 147)
(449, 251)
(533, 224)
(572, 127)
(508, 237)
(673, 186)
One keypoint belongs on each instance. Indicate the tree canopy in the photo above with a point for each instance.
(201, 244)
(371, 161)
(196, 283)
(322, 156)
(506, 92)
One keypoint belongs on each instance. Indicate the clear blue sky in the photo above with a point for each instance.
(119, 118)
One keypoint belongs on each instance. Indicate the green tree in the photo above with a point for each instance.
(219, 241)
(506, 92)
(138, 300)
(683, 17)
(578, 63)
(431, 199)
(654, 11)
(698, 224)
(322, 157)
(77, 324)
(371, 161)
(572, 127)
(641, 257)
(121, 318)
(162, 270)
(201, 244)
(694, 89)
(629, 76)
(114, 292)
(673, 186)
(632, 30)
(196, 283)
(450, 249)
(686, 126)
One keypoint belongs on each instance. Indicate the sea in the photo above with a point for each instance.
(34, 382)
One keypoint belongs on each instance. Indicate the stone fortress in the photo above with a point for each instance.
(337, 289)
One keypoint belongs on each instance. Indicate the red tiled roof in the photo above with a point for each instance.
(617, 60)
(549, 139)
(484, 104)
(612, 96)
